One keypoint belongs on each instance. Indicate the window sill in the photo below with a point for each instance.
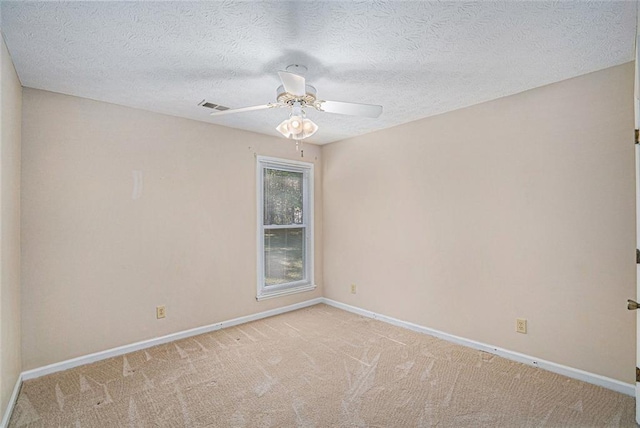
(286, 292)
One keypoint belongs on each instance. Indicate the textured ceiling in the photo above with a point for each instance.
(416, 59)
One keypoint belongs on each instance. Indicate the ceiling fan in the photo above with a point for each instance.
(296, 95)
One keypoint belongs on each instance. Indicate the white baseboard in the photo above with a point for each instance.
(114, 352)
(12, 403)
(606, 382)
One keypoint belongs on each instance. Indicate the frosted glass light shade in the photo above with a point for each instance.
(297, 128)
(309, 128)
(295, 125)
(283, 128)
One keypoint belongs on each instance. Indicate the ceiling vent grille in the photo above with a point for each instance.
(212, 106)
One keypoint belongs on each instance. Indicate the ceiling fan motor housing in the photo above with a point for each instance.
(284, 97)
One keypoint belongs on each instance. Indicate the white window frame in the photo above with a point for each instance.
(307, 283)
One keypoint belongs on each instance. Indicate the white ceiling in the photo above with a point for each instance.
(417, 59)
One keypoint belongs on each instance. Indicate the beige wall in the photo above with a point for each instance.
(519, 207)
(10, 128)
(97, 262)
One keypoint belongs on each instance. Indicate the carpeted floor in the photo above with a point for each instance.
(318, 366)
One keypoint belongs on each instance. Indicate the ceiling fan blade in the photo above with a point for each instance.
(240, 110)
(293, 83)
(353, 109)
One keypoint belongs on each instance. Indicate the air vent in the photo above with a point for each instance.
(212, 106)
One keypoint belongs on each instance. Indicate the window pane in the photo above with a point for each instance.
(283, 255)
(282, 197)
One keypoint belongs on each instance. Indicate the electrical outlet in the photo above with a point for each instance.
(521, 325)
(161, 312)
(353, 289)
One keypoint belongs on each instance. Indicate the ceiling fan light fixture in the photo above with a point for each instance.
(297, 127)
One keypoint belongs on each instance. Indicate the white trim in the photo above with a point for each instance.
(286, 226)
(596, 379)
(307, 170)
(636, 106)
(12, 402)
(286, 292)
(285, 163)
(613, 384)
(637, 391)
(114, 352)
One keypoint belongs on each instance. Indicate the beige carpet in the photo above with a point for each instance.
(320, 367)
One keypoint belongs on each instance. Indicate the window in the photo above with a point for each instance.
(285, 227)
